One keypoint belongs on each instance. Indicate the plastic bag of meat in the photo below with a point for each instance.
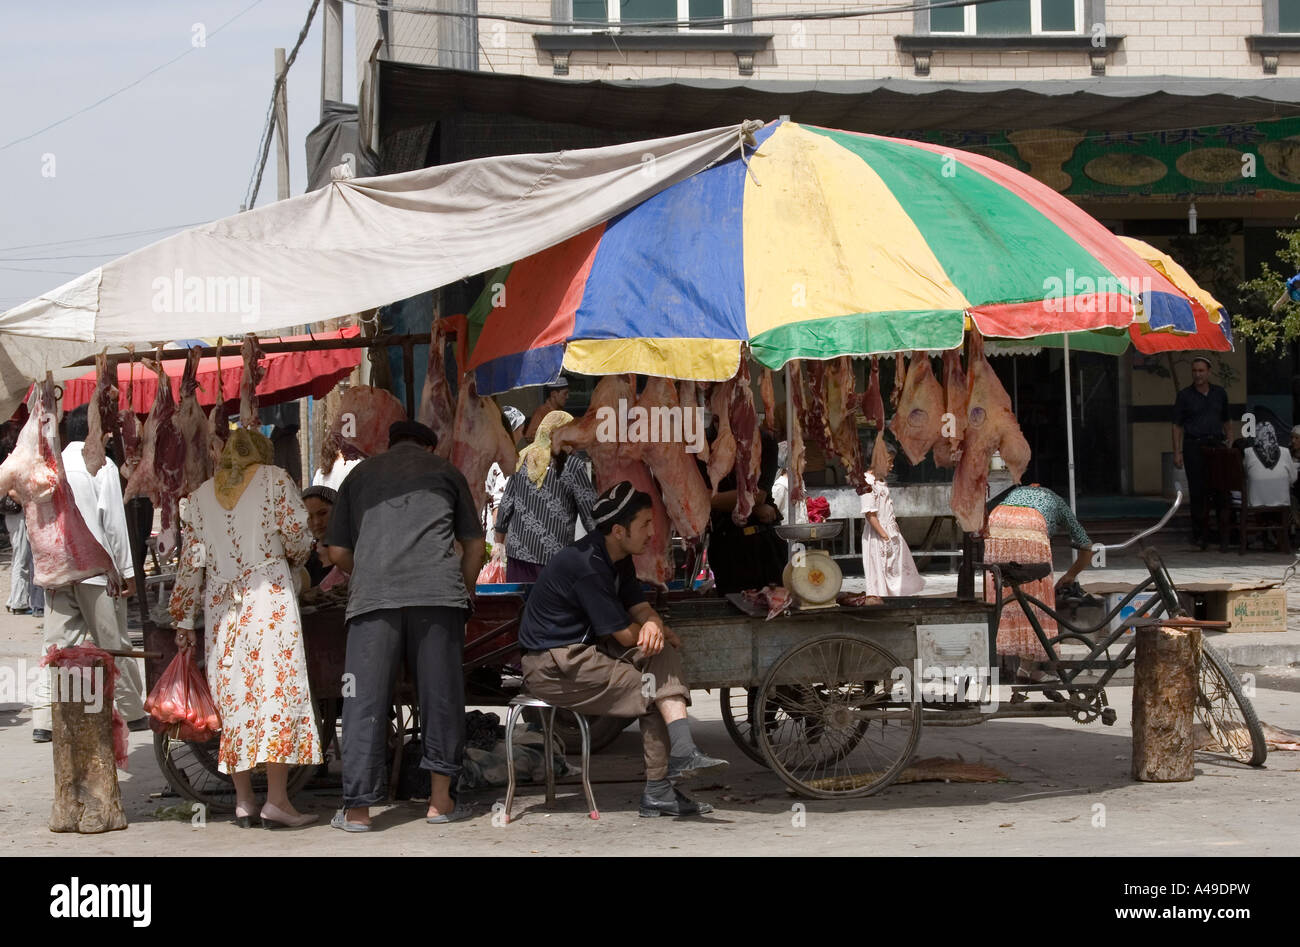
(181, 698)
(494, 573)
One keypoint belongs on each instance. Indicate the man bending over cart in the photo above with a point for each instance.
(592, 643)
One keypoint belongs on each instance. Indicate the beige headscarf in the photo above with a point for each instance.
(244, 451)
(536, 457)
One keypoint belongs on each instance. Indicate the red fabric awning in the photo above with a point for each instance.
(289, 375)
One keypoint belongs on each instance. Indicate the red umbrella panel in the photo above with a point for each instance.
(289, 375)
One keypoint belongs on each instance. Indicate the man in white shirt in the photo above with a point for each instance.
(85, 609)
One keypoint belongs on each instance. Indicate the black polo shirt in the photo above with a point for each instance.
(580, 596)
(1201, 415)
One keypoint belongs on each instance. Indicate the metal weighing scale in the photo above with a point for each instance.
(817, 580)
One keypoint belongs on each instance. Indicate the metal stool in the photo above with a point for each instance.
(517, 706)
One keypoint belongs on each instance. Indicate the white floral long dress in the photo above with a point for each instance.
(887, 566)
(237, 565)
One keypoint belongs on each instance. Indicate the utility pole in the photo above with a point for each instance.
(281, 128)
(331, 60)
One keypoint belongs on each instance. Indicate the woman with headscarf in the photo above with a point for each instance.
(542, 504)
(1270, 469)
(245, 534)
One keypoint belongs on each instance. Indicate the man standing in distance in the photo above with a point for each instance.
(394, 528)
(1200, 421)
(553, 399)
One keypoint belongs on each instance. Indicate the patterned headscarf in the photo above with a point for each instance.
(1267, 448)
(536, 457)
(243, 450)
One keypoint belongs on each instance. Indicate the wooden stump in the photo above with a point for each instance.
(87, 798)
(1164, 701)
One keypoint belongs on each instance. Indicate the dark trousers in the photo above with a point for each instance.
(434, 642)
(1198, 484)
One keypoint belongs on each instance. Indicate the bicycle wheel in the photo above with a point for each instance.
(737, 705)
(832, 727)
(1223, 708)
(191, 770)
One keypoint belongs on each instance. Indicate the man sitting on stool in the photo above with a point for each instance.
(593, 644)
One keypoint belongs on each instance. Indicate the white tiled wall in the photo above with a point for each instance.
(1162, 37)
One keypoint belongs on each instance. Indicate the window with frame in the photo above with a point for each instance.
(629, 14)
(1288, 16)
(1011, 18)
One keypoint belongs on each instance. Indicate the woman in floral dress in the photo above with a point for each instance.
(245, 533)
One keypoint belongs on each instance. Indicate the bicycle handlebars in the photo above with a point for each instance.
(1116, 547)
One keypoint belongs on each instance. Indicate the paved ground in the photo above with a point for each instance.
(1068, 790)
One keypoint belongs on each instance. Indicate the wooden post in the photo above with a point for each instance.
(87, 798)
(1164, 701)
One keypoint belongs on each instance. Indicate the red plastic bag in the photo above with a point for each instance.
(181, 698)
(494, 573)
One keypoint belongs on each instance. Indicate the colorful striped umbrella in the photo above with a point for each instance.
(1213, 326)
(818, 243)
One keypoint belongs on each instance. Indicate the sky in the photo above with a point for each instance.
(177, 149)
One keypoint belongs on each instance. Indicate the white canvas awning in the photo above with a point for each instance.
(345, 248)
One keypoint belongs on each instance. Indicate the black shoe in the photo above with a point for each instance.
(697, 764)
(681, 804)
(42, 736)
(139, 724)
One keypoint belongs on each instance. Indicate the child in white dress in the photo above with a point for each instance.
(886, 560)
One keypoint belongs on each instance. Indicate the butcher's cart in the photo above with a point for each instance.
(831, 698)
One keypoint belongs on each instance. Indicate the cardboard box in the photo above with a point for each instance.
(1251, 607)
(1112, 593)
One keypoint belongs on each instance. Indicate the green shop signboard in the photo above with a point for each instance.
(1260, 160)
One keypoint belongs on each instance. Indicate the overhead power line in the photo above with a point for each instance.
(103, 236)
(700, 23)
(129, 85)
(250, 196)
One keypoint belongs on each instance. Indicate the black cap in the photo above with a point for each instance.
(612, 502)
(411, 430)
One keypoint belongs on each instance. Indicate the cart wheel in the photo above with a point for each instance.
(833, 729)
(737, 705)
(1223, 708)
(191, 770)
(604, 730)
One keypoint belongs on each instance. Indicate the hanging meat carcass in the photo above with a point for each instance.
(688, 396)
(64, 550)
(797, 459)
(129, 424)
(871, 405)
(900, 376)
(767, 394)
(161, 471)
(437, 410)
(840, 420)
(722, 452)
(954, 419)
(195, 430)
(749, 445)
(362, 419)
(101, 416)
(919, 419)
(685, 495)
(614, 462)
(479, 440)
(249, 415)
(218, 421)
(990, 426)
